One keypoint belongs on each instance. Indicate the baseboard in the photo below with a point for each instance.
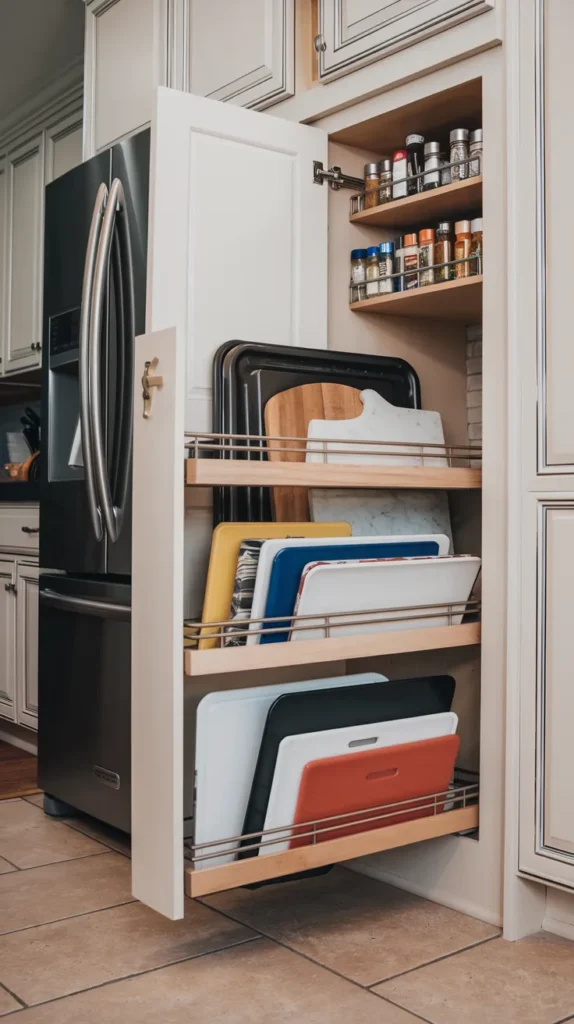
(25, 739)
(559, 917)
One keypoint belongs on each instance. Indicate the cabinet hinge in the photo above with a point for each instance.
(336, 178)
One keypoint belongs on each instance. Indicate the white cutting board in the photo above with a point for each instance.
(272, 547)
(297, 751)
(379, 421)
(386, 583)
(229, 730)
(374, 512)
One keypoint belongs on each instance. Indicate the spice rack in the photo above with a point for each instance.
(451, 300)
(445, 202)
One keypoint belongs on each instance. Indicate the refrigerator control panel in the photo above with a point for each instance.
(65, 331)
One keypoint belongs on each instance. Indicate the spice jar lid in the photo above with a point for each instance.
(426, 236)
(476, 224)
(414, 140)
(459, 135)
(373, 250)
(432, 147)
(476, 136)
(371, 169)
(444, 226)
(358, 254)
(462, 227)
(411, 239)
(385, 164)
(400, 154)
(386, 248)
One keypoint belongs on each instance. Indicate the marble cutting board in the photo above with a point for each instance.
(371, 513)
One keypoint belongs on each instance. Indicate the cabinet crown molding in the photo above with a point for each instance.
(54, 98)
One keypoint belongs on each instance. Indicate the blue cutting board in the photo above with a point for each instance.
(289, 563)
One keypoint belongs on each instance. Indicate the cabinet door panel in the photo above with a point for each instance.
(25, 209)
(356, 31)
(27, 645)
(7, 640)
(256, 73)
(63, 146)
(3, 248)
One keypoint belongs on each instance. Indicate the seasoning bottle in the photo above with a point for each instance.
(371, 186)
(443, 250)
(372, 271)
(459, 153)
(399, 263)
(399, 174)
(426, 256)
(476, 245)
(433, 163)
(415, 163)
(411, 262)
(358, 274)
(462, 248)
(385, 180)
(386, 283)
(475, 153)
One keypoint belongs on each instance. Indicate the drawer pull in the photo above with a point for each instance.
(30, 529)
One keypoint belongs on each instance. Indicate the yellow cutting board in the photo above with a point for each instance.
(288, 415)
(225, 544)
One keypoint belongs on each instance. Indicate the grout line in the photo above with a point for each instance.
(8, 861)
(563, 1020)
(53, 863)
(389, 1002)
(23, 1005)
(70, 917)
(435, 960)
(140, 974)
(101, 841)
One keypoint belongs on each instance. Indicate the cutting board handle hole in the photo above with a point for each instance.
(364, 743)
(386, 773)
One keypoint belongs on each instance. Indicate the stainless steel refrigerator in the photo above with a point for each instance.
(96, 219)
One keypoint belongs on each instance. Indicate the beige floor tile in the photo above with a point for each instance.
(255, 983)
(37, 799)
(56, 959)
(362, 928)
(526, 982)
(56, 891)
(110, 837)
(7, 1003)
(28, 838)
(5, 866)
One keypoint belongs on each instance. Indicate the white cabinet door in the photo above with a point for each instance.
(8, 639)
(237, 249)
(126, 59)
(27, 644)
(358, 31)
(242, 52)
(25, 167)
(3, 248)
(63, 146)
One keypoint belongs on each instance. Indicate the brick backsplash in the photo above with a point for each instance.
(474, 386)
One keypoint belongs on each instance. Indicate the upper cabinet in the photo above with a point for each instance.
(25, 170)
(355, 32)
(242, 52)
(63, 145)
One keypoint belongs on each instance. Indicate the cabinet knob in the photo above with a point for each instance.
(30, 529)
(320, 43)
(10, 588)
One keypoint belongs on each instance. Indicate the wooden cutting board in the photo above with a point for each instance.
(288, 415)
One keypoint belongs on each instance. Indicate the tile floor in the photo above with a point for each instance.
(75, 948)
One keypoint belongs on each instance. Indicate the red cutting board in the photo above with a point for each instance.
(365, 779)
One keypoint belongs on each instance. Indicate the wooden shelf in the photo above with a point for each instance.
(241, 472)
(257, 869)
(315, 652)
(446, 203)
(451, 300)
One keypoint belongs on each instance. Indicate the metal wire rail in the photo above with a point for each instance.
(359, 291)
(454, 798)
(357, 201)
(234, 629)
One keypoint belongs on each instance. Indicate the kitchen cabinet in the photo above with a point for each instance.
(27, 576)
(7, 639)
(258, 72)
(25, 173)
(355, 32)
(63, 145)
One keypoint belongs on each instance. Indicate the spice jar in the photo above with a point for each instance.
(459, 154)
(371, 185)
(399, 262)
(411, 262)
(443, 250)
(386, 283)
(385, 180)
(372, 271)
(358, 274)
(399, 174)
(476, 245)
(462, 248)
(475, 153)
(415, 163)
(433, 164)
(426, 256)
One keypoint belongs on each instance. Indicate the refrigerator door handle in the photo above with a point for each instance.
(110, 514)
(84, 346)
(125, 309)
(85, 606)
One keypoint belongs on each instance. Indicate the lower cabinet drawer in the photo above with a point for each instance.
(20, 528)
